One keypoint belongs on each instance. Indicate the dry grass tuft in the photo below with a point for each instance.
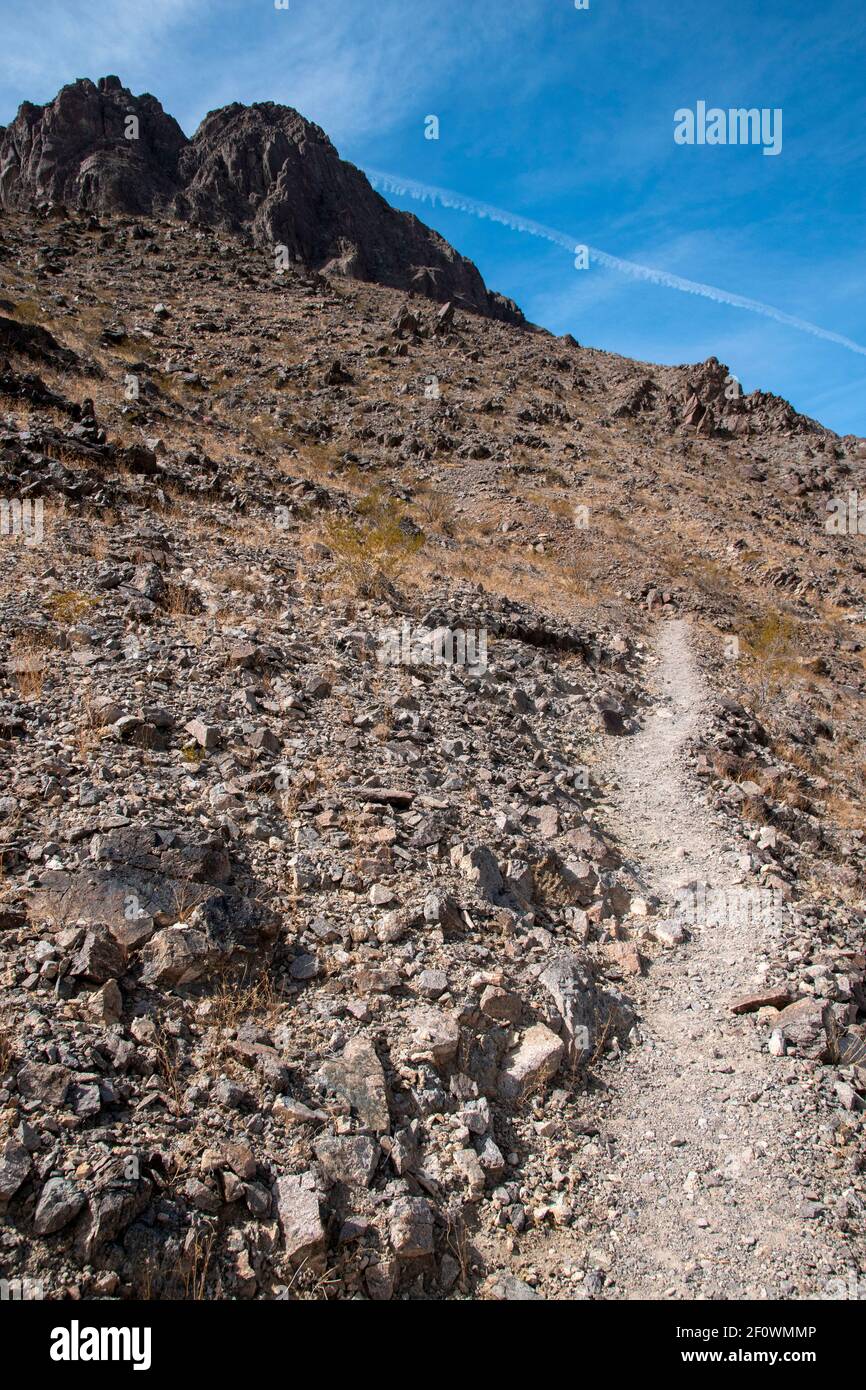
(68, 606)
(375, 548)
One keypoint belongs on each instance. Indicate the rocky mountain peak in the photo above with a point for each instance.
(83, 150)
(261, 169)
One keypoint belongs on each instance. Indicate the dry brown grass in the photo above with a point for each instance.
(30, 651)
(197, 1267)
(168, 1066)
(373, 549)
(844, 813)
(68, 606)
(7, 1051)
(435, 510)
(239, 997)
(179, 601)
(233, 577)
(87, 735)
(187, 896)
(772, 645)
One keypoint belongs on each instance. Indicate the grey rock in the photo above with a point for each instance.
(358, 1077)
(297, 1206)
(15, 1166)
(349, 1159)
(60, 1201)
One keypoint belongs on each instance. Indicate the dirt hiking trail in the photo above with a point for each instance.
(712, 1159)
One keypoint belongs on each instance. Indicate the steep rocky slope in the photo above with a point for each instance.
(323, 969)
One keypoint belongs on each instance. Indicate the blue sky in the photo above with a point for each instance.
(565, 117)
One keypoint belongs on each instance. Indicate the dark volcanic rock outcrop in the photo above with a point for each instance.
(76, 150)
(260, 168)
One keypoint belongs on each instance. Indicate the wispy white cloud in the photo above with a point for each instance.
(83, 41)
(428, 193)
(355, 69)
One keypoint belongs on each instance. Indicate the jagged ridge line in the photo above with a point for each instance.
(424, 192)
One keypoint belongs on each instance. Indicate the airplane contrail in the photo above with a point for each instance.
(429, 193)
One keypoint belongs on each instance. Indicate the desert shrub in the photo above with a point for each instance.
(68, 605)
(771, 648)
(373, 548)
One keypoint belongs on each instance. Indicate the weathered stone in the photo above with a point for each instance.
(669, 933)
(573, 990)
(266, 740)
(241, 1159)
(480, 868)
(202, 1197)
(266, 1061)
(500, 1005)
(764, 999)
(467, 1161)
(507, 1288)
(358, 1077)
(534, 1061)
(435, 1036)
(808, 1028)
(298, 1212)
(176, 956)
(292, 1112)
(444, 911)
(44, 1082)
(100, 958)
(411, 1228)
(205, 735)
(349, 1159)
(60, 1201)
(431, 983)
(109, 1212)
(380, 1279)
(14, 1168)
(625, 957)
(106, 1003)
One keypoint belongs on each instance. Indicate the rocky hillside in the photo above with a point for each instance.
(326, 956)
(262, 170)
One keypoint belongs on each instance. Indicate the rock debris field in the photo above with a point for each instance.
(431, 778)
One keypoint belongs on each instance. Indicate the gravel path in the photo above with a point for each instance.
(713, 1161)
